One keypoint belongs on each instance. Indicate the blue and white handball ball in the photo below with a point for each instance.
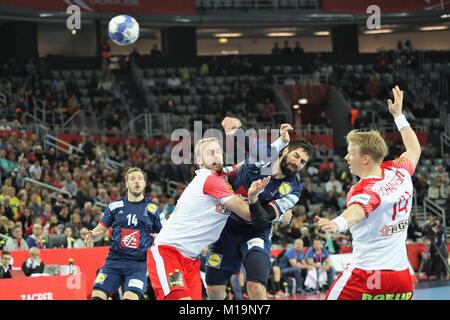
(123, 30)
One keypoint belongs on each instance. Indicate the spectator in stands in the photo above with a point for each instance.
(63, 217)
(333, 185)
(135, 55)
(5, 265)
(70, 241)
(435, 233)
(155, 52)
(414, 230)
(434, 189)
(16, 242)
(318, 257)
(297, 49)
(294, 264)
(325, 169)
(276, 50)
(80, 242)
(36, 240)
(33, 264)
(36, 170)
(103, 196)
(36, 206)
(6, 209)
(286, 49)
(69, 185)
(75, 223)
(5, 228)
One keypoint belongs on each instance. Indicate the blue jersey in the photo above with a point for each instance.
(283, 193)
(299, 256)
(319, 257)
(132, 223)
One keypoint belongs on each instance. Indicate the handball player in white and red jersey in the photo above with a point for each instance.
(378, 209)
(196, 222)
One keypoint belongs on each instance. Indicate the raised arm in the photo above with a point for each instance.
(409, 137)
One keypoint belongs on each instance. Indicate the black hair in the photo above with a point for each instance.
(305, 145)
(4, 253)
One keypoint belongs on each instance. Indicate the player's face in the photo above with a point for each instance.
(294, 161)
(212, 157)
(354, 159)
(136, 183)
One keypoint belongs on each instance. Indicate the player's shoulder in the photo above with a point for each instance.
(151, 207)
(116, 205)
(289, 186)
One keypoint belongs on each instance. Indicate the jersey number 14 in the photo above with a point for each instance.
(132, 219)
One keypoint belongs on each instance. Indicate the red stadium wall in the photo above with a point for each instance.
(360, 6)
(173, 7)
(44, 288)
(88, 259)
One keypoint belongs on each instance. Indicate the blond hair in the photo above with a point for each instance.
(135, 169)
(370, 143)
(199, 145)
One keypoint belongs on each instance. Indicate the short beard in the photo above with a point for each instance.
(136, 194)
(285, 169)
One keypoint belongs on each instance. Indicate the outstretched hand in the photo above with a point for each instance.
(284, 132)
(230, 125)
(257, 187)
(326, 224)
(396, 107)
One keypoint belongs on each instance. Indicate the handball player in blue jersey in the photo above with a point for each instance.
(248, 243)
(135, 222)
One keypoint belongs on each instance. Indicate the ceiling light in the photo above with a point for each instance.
(445, 16)
(228, 35)
(378, 31)
(322, 33)
(303, 101)
(295, 106)
(433, 28)
(281, 34)
(223, 40)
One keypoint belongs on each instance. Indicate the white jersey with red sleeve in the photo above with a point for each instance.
(199, 216)
(379, 240)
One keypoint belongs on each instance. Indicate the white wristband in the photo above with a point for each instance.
(401, 122)
(341, 223)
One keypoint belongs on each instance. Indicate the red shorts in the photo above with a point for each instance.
(357, 284)
(172, 275)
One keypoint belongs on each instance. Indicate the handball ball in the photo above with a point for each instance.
(123, 30)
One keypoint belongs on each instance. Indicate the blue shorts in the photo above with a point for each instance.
(131, 275)
(227, 254)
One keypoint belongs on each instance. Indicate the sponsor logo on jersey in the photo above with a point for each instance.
(389, 230)
(176, 279)
(214, 260)
(152, 208)
(130, 239)
(220, 208)
(100, 279)
(360, 198)
(387, 296)
(255, 242)
(115, 205)
(284, 188)
(136, 283)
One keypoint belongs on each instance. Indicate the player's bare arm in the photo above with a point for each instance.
(237, 205)
(409, 137)
(345, 221)
(95, 233)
